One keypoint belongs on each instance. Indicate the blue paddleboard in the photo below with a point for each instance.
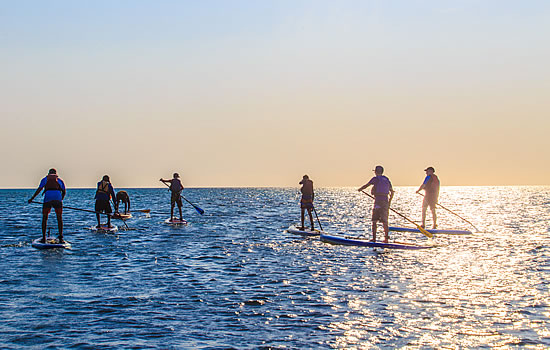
(364, 243)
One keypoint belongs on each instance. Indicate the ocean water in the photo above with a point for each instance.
(233, 278)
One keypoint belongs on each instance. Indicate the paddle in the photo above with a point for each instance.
(319, 222)
(426, 233)
(453, 213)
(86, 210)
(199, 210)
(315, 211)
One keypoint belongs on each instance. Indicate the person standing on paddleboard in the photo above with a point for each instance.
(431, 189)
(54, 192)
(381, 188)
(306, 203)
(175, 187)
(104, 193)
(122, 196)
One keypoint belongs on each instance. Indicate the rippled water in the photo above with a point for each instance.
(233, 279)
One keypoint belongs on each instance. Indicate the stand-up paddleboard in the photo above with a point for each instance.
(175, 222)
(51, 243)
(105, 229)
(122, 216)
(435, 232)
(306, 232)
(364, 243)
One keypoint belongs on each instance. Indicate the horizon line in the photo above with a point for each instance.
(198, 187)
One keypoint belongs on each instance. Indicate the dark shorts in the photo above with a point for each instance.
(103, 205)
(380, 212)
(57, 205)
(306, 204)
(176, 198)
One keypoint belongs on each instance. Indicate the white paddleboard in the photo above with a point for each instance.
(175, 222)
(432, 231)
(122, 216)
(305, 232)
(105, 229)
(51, 243)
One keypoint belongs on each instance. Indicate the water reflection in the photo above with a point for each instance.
(233, 278)
(481, 291)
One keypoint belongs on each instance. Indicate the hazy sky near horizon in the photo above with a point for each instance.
(258, 93)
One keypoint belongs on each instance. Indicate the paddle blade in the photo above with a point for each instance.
(199, 210)
(426, 233)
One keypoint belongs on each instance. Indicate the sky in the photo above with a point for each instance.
(258, 93)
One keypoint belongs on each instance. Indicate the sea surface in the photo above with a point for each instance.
(234, 279)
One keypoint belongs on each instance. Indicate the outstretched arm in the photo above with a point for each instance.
(364, 186)
(35, 194)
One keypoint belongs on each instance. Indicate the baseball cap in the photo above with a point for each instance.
(379, 168)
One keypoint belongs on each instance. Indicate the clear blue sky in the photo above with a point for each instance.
(257, 93)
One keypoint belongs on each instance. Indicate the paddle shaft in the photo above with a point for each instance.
(86, 210)
(449, 210)
(199, 210)
(319, 222)
(426, 233)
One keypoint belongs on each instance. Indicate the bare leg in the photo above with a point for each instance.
(311, 219)
(434, 217)
(386, 232)
(302, 211)
(424, 207)
(172, 212)
(98, 220)
(181, 216)
(374, 231)
(60, 226)
(44, 224)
